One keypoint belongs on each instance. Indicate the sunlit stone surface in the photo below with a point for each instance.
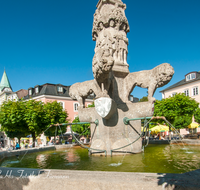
(103, 106)
(113, 84)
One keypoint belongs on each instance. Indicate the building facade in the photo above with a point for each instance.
(190, 85)
(57, 92)
(6, 92)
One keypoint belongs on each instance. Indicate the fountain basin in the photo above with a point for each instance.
(155, 159)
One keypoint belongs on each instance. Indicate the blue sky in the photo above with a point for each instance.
(49, 41)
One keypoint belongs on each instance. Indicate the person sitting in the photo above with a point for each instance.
(50, 142)
(17, 146)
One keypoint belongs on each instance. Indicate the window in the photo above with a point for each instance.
(195, 91)
(193, 76)
(62, 104)
(75, 116)
(60, 89)
(36, 90)
(131, 98)
(190, 76)
(30, 92)
(173, 94)
(186, 91)
(7, 89)
(76, 107)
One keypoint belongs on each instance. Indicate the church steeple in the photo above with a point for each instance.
(5, 82)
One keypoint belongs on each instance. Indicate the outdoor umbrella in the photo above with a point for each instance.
(159, 128)
(69, 133)
(143, 128)
(193, 125)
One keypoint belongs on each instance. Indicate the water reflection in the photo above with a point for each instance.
(156, 158)
(42, 160)
(71, 157)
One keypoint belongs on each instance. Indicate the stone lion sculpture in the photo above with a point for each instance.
(102, 65)
(150, 79)
(80, 91)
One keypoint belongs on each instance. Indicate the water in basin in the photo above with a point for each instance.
(156, 159)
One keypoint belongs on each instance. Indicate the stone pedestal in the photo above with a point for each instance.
(112, 133)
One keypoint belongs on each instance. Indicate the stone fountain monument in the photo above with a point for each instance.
(113, 84)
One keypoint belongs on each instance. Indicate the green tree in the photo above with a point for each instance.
(12, 119)
(35, 118)
(144, 99)
(91, 105)
(54, 114)
(81, 129)
(25, 117)
(18, 134)
(197, 115)
(40, 116)
(182, 121)
(178, 109)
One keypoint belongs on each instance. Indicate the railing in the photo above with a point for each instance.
(126, 122)
(74, 137)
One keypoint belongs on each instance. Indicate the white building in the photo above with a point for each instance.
(190, 85)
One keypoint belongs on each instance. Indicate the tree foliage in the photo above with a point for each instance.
(144, 99)
(25, 117)
(54, 114)
(91, 105)
(34, 117)
(178, 109)
(81, 129)
(197, 115)
(12, 119)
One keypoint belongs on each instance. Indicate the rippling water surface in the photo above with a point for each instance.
(156, 159)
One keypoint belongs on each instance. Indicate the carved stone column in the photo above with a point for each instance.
(113, 84)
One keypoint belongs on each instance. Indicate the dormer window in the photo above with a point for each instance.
(30, 92)
(190, 76)
(60, 89)
(37, 90)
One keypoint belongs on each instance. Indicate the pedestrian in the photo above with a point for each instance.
(17, 146)
(50, 142)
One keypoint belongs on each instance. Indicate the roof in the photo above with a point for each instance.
(50, 89)
(5, 82)
(21, 93)
(183, 82)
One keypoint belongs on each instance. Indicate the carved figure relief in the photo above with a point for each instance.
(113, 81)
(110, 29)
(123, 45)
